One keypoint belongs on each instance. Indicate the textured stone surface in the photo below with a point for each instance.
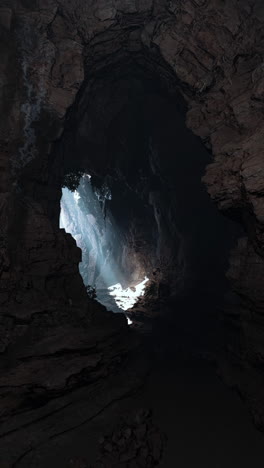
(137, 442)
(210, 52)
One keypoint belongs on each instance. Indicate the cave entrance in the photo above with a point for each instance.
(146, 167)
(84, 215)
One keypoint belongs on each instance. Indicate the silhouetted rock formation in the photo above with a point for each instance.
(64, 68)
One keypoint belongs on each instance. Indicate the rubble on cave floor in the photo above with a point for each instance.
(135, 443)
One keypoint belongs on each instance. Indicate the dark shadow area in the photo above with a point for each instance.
(155, 217)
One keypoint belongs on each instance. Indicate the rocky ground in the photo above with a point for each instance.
(136, 443)
(179, 414)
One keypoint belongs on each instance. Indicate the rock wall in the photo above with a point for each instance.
(54, 55)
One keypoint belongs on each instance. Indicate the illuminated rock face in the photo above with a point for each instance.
(83, 216)
(67, 58)
(103, 246)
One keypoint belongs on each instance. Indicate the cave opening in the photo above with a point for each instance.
(149, 219)
(84, 216)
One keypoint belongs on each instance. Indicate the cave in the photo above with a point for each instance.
(131, 234)
(144, 215)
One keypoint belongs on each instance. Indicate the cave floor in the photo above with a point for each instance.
(206, 423)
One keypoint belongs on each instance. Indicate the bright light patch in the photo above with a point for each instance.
(76, 196)
(129, 321)
(126, 298)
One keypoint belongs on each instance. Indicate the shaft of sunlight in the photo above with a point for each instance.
(83, 216)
